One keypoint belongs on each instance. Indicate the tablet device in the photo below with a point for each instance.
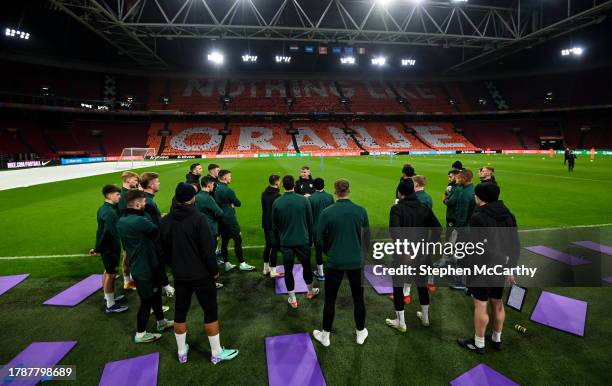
(516, 297)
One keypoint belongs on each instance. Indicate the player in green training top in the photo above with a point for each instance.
(108, 246)
(205, 203)
(319, 200)
(130, 180)
(419, 190)
(138, 235)
(292, 226)
(228, 226)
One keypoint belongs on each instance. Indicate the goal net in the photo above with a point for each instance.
(137, 155)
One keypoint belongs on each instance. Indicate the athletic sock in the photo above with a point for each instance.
(168, 288)
(127, 278)
(110, 299)
(400, 318)
(425, 314)
(215, 345)
(430, 280)
(292, 296)
(273, 270)
(181, 342)
(141, 334)
(479, 341)
(496, 336)
(228, 265)
(407, 287)
(266, 266)
(320, 269)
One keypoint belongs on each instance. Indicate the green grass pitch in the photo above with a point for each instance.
(59, 219)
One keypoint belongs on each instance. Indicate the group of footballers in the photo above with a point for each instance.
(203, 210)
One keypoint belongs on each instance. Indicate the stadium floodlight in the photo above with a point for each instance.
(347, 60)
(215, 57)
(282, 59)
(576, 51)
(13, 33)
(384, 3)
(379, 61)
(408, 62)
(248, 58)
(459, 1)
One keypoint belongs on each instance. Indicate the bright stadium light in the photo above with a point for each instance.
(576, 51)
(408, 62)
(215, 57)
(347, 60)
(384, 3)
(379, 61)
(282, 59)
(247, 58)
(459, 1)
(13, 33)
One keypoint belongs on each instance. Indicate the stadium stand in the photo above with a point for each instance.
(324, 138)
(187, 138)
(315, 96)
(441, 136)
(385, 136)
(258, 138)
(262, 96)
(424, 98)
(189, 95)
(371, 96)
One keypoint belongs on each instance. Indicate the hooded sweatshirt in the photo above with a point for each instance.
(187, 245)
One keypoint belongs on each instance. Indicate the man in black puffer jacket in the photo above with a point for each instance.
(187, 244)
(411, 220)
(491, 221)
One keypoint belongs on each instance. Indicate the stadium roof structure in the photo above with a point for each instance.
(486, 30)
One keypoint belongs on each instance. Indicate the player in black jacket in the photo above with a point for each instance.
(492, 221)
(304, 185)
(270, 252)
(188, 245)
(410, 220)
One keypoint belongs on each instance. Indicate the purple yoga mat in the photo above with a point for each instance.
(37, 354)
(298, 277)
(137, 371)
(77, 293)
(558, 255)
(560, 312)
(8, 282)
(292, 361)
(607, 279)
(594, 246)
(482, 375)
(383, 285)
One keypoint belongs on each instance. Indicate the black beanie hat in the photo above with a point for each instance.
(487, 192)
(406, 187)
(184, 192)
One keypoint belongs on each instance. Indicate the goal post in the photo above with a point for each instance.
(133, 154)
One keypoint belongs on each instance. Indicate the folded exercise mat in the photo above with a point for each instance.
(383, 285)
(298, 277)
(607, 279)
(292, 361)
(137, 371)
(560, 312)
(8, 282)
(77, 293)
(37, 354)
(482, 375)
(558, 255)
(601, 248)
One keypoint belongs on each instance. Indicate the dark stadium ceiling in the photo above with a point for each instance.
(443, 36)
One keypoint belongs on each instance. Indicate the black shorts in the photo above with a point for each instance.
(269, 237)
(111, 262)
(206, 293)
(485, 293)
(149, 284)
